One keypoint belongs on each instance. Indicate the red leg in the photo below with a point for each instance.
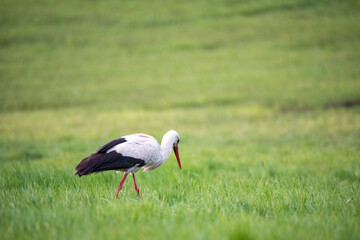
(121, 184)
(136, 187)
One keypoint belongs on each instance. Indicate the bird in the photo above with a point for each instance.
(129, 154)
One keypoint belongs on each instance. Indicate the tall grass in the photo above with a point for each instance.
(259, 92)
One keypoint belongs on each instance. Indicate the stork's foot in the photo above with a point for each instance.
(135, 186)
(119, 188)
(138, 191)
(121, 184)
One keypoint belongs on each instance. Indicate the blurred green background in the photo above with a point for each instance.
(265, 95)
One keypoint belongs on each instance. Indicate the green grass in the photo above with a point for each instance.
(256, 90)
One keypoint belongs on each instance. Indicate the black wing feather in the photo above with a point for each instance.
(111, 144)
(98, 162)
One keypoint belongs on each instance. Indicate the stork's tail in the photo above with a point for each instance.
(86, 166)
(80, 168)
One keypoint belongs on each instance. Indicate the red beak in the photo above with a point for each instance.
(176, 151)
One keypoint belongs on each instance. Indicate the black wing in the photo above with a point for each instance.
(111, 144)
(98, 162)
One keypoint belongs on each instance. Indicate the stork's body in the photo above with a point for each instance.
(129, 154)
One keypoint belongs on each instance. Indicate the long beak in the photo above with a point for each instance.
(176, 151)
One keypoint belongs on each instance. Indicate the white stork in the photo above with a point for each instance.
(130, 153)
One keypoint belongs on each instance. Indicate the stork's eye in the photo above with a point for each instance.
(178, 141)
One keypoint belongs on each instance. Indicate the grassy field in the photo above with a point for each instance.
(265, 95)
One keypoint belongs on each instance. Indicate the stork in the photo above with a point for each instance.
(129, 154)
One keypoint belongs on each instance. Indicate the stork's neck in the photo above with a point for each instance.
(166, 146)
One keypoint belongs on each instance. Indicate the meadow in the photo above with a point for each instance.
(264, 94)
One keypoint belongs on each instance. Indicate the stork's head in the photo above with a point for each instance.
(174, 138)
